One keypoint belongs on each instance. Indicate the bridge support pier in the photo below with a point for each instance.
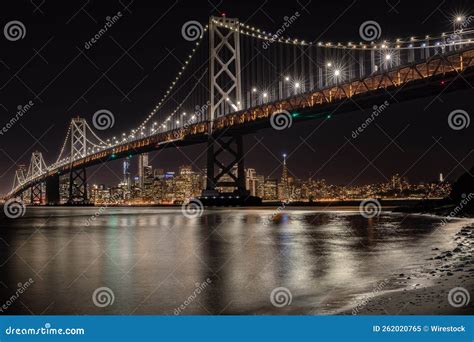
(78, 187)
(233, 148)
(52, 190)
(36, 194)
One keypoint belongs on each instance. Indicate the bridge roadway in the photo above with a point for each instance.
(439, 74)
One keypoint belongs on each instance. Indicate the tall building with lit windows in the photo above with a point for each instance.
(142, 165)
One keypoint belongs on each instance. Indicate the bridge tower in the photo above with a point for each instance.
(77, 176)
(20, 178)
(37, 167)
(225, 97)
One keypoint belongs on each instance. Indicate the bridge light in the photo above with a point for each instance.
(337, 72)
(177, 122)
(287, 78)
(459, 18)
(265, 94)
(388, 57)
(254, 90)
(297, 85)
(329, 64)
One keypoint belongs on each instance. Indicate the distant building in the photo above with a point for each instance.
(142, 165)
(251, 181)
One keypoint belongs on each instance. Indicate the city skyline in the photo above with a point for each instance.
(161, 186)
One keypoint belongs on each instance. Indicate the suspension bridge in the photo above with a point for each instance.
(239, 79)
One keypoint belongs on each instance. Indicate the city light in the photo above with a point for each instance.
(388, 57)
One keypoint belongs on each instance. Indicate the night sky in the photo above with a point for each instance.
(129, 68)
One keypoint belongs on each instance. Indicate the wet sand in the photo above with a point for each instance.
(426, 289)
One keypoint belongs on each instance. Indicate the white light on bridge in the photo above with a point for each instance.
(297, 85)
(388, 57)
(337, 72)
(254, 90)
(265, 94)
(329, 64)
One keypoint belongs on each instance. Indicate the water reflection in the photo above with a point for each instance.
(154, 259)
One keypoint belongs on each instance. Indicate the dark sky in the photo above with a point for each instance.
(129, 68)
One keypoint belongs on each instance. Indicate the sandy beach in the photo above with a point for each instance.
(426, 289)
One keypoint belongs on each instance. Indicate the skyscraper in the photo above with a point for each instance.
(283, 189)
(126, 173)
(251, 181)
(142, 164)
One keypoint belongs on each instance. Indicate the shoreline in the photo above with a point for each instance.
(425, 290)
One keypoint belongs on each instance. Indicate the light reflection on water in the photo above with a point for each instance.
(153, 258)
